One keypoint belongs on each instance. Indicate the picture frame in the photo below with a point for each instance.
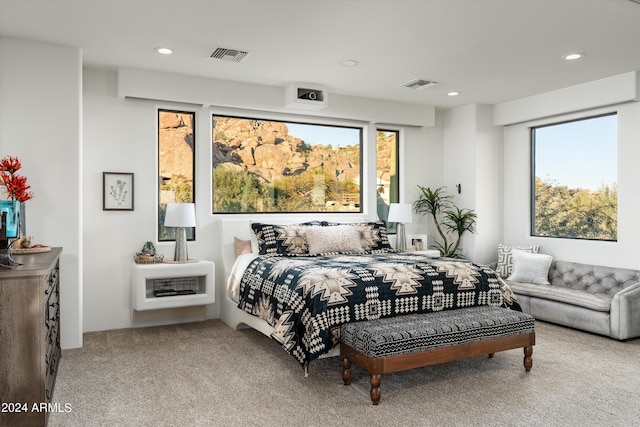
(117, 191)
(417, 242)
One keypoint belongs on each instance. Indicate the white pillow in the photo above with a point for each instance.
(337, 238)
(530, 268)
(505, 261)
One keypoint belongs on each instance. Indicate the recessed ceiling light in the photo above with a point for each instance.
(574, 56)
(454, 93)
(164, 50)
(349, 62)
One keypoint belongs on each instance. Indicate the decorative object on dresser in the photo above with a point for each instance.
(400, 213)
(180, 216)
(117, 191)
(450, 221)
(13, 210)
(29, 336)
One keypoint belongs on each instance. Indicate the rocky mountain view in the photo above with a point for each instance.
(175, 144)
(267, 150)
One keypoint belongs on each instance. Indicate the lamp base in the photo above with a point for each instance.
(181, 254)
(401, 238)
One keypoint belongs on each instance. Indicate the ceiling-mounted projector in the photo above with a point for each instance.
(306, 96)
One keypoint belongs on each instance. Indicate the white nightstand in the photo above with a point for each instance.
(434, 253)
(197, 277)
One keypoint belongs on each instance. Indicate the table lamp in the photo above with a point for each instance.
(401, 214)
(180, 216)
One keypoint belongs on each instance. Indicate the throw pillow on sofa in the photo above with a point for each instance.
(530, 267)
(505, 260)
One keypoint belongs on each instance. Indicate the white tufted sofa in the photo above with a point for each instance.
(598, 299)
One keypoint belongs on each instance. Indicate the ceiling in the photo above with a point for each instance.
(491, 51)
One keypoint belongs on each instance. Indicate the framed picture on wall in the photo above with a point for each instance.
(117, 191)
(417, 242)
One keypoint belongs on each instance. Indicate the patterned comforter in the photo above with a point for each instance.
(306, 299)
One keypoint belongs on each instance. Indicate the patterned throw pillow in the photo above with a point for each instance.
(505, 258)
(373, 237)
(275, 239)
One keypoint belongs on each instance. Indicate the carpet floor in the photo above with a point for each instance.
(206, 374)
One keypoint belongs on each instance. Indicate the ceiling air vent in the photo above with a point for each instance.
(419, 84)
(231, 55)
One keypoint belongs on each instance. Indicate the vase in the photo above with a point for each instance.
(12, 209)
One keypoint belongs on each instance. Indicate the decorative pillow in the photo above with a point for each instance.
(274, 239)
(505, 262)
(241, 246)
(530, 267)
(373, 237)
(344, 239)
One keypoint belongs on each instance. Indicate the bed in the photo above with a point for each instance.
(310, 278)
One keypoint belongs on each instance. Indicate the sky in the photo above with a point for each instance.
(327, 135)
(580, 154)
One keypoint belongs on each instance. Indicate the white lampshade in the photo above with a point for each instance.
(400, 212)
(180, 215)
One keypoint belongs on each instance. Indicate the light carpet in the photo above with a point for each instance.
(206, 374)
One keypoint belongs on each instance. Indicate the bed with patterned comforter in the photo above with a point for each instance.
(307, 299)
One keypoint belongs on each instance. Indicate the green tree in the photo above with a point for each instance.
(181, 187)
(239, 191)
(576, 213)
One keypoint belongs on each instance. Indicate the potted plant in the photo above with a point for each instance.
(451, 222)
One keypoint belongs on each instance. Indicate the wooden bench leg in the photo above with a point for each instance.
(375, 388)
(346, 371)
(528, 362)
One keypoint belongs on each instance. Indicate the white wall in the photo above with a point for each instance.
(472, 155)
(41, 123)
(624, 252)
(120, 135)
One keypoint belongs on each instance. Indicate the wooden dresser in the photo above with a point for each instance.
(29, 338)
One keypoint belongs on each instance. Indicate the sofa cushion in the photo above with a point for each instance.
(598, 302)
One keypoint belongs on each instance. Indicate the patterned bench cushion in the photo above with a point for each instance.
(413, 333)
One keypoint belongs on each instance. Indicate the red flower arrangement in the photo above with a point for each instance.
(15, 185)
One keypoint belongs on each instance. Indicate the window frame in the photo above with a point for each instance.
(532, 178)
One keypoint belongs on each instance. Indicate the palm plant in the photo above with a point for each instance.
(451, 222)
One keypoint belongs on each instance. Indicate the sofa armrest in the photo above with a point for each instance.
(625, 313)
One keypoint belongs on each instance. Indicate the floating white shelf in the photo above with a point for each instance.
(199, 276)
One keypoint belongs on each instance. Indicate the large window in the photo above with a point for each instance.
(387, 185)
(176, 165)
(574, 183)
(277, 166)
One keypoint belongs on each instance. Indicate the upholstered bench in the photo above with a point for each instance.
(398, 343)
